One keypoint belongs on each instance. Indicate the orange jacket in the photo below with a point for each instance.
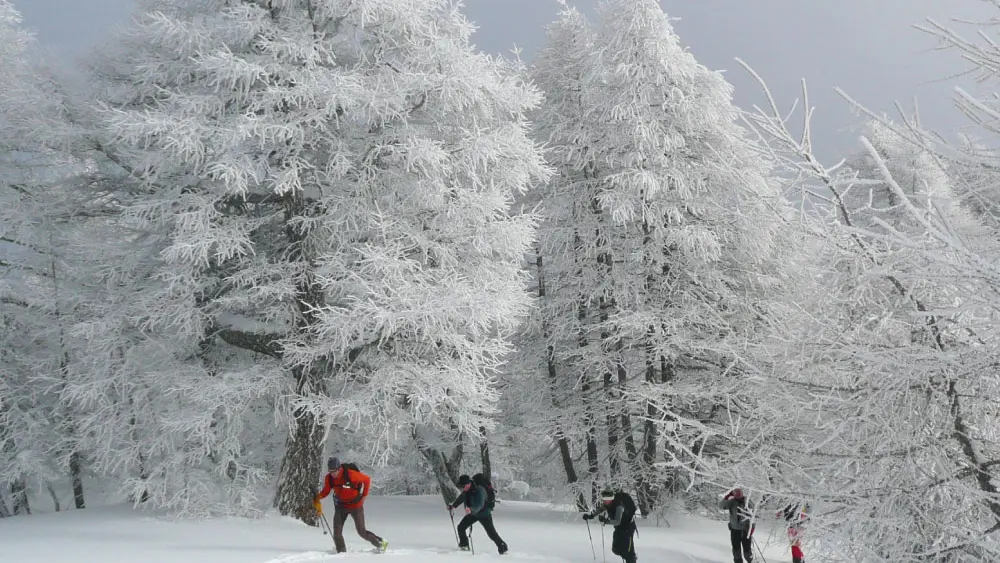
(349, 487)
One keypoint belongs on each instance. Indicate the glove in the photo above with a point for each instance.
(450, 508)
(603, 519)
(588, 516)
(317, 506)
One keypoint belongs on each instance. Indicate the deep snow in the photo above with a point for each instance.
(418, 530)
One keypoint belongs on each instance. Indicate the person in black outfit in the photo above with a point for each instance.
(477, 509)
(620, 509)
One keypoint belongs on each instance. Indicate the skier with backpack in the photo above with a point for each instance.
(479, 499)
(350, 487)
(620, 509)
(740, 529)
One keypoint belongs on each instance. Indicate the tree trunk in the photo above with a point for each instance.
(484, 454)
(631, 453)
(550, 365)
(4, 510)
(302, 463)
(74, 456)
(140, 457)
(442, 472)
(590, 421)
(593, 461)
(55, 498)
(611, 406)
(19, 496)
(650, 435)
(563, 442)
(76, 476)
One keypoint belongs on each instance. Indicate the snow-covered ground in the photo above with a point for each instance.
(418, 530)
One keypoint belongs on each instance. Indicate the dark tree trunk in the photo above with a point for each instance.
(590, 420)
(56, 505)
(550, 365)
(593, 461)
(302, 463)
(446, 471)
(650, 435)
(631, 452)
(76, 476)
(76, 479)
(140, 457)
(606, 304)
(19, 497)
(74, 456)
(484, 454)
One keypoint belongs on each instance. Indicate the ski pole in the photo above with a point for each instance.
(325, 524)
(591, 540)
(328, 526)
(454, 530)
(472, 546)
(759, 551)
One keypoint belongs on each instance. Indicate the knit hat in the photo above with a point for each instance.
(464, 480)
(333, 463)
(607, 494)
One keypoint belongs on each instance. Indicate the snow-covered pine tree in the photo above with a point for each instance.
(333, 179)
(560, 70)
(47, 218)
(659, 227)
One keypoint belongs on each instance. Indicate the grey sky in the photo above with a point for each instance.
(866, 47)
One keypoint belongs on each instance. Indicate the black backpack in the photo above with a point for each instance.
(491, 495)
(347, 475)
(628, 503)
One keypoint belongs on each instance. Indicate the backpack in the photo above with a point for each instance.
(491, 495)
(347, 475)
(628, 503)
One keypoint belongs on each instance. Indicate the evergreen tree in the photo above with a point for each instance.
(331, 182)
(660, 227)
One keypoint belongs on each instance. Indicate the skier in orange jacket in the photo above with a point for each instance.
(350, 487)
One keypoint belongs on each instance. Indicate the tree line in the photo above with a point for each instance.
(259, 230)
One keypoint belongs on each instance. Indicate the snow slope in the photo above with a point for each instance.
(417, 528)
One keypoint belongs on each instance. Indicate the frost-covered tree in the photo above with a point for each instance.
(328, 184)
(657, 246)
(892, 373)
(45, 210)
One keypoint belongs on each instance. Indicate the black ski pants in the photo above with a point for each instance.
(741, 542)
(622, 543)
(486, 520)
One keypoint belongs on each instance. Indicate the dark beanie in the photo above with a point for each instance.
(463, 480)
(333, 463)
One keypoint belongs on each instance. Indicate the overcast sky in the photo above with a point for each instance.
(866, 47)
